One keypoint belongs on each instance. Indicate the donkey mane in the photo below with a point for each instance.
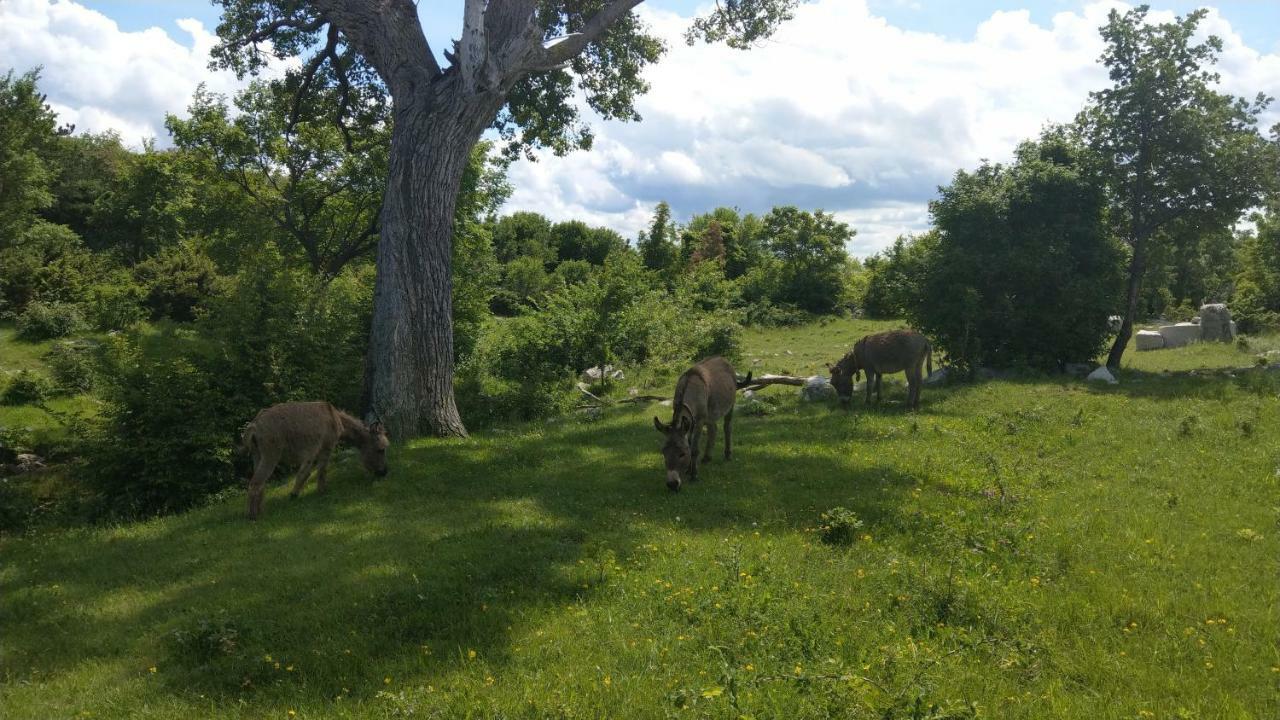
(677, 404)
(846, 362)
(352, 428)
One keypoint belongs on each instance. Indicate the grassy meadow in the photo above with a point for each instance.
(1027, 548)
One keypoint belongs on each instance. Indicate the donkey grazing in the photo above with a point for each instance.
(886, 352)
(704, 393)
(306, 433)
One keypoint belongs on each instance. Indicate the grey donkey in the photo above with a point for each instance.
(705, 393)
(887, 352)
(306, 433)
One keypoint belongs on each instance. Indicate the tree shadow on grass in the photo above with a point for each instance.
(462, 545)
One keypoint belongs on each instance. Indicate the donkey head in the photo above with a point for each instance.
(843, 376)
(373, 449)
(676, 452)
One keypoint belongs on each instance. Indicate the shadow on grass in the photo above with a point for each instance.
(463, 543)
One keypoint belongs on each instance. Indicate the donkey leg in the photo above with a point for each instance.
(879, 382)
(728, 436)
(711, 441)
(262, 470)
(693, 453)
(304, 472)
(322, 464)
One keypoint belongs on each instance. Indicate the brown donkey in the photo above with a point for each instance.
(306, 433)
(886, 352)
(704, 393)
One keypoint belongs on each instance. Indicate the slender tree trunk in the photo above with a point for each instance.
(409, 370)
(1137, 266)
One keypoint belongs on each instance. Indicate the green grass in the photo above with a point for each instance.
(1029, 549)
(1200, 356)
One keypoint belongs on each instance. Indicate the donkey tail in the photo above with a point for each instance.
(929, 349)
(249, 439)
(745, 382)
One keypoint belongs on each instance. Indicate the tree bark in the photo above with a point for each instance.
(1137, 266)
(409, 370)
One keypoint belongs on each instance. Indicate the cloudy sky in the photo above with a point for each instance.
(858, 107)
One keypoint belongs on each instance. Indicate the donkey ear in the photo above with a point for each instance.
(658, 424)
(831, 368)
(376, 428)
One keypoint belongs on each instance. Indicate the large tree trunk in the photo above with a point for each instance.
(1137, 266)
(409, 371)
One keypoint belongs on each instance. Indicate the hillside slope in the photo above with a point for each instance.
(1028, 549)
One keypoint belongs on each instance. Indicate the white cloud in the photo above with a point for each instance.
(101, 77)
(840, 110)
(844, 112)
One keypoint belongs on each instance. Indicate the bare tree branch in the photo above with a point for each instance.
(474, 47)
(561, 50)
(266, 31)
(309, 74)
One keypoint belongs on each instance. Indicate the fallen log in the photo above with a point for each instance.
(601, 402)
(767, 380)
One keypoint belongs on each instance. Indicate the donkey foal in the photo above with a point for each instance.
(306, 433)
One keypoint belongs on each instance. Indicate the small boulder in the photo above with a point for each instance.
(938, 376)
(1148, 340)
(1180, 334)
(1102, 374)
(596, 375)
(1114, 322)
(28, 462)
(1215, 323)
(817, 389)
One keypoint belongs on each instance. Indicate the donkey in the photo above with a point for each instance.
(704, 393)
(306, 433)
(886, 352)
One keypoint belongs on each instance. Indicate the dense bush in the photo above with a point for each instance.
(170, 422)
(524, 282)
(177, 281)
(72, 367)
(525, 367)
(893, 276)
(281, 333)
(1024, 270)
(116, 304)
(45, 321)
(166, 437)
(46, 263)
(1256, 306)
(26, 388)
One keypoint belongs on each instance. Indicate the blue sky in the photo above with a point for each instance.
(859, 107)
(1258, 21)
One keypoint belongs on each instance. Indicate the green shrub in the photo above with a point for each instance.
(47, 263)
(45, 321)
(71, 365)
(524, 282)
(516, 372)
(177, 281)
(166, 435)
(703, 286)
(717, 333)
(764, 313)
(1024, 271)
(116, 305)
(26, 388)
(838, 526)
(168, 429)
